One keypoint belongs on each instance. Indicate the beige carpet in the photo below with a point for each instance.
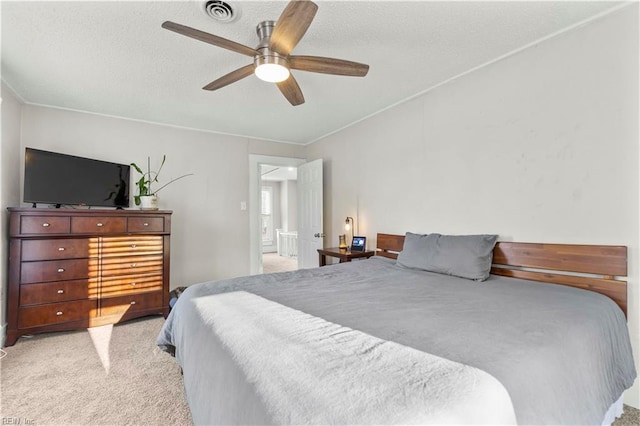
(631, 417)
(108, 376)
(272, 262)
(113, 376)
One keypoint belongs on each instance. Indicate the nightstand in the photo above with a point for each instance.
(343, 254)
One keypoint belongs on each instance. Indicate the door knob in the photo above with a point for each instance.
(319, 235)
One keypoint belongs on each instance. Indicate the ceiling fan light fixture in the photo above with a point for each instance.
(273, 69)
(272, 58)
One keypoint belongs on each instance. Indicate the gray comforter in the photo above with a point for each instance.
(563, 354)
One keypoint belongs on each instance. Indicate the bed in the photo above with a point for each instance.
(389, 341)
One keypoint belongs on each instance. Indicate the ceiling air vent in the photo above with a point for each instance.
(220, 11)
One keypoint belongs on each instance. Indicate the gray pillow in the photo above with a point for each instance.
(465, 256)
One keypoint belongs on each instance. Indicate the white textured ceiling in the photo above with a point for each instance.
(113, 58)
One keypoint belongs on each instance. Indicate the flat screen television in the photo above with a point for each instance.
(55, 178)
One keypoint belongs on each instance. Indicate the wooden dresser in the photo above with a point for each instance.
(81, 268)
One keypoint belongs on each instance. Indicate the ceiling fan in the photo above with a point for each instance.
(272, 59)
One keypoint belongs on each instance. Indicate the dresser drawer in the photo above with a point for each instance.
(125, 304)
(122, 285)
(58, 248)
(145, 224)
(43, 225)
(132, 245)
(54, 313)
(132, 265)
(56, 270)
(98, 224)
(59, 291)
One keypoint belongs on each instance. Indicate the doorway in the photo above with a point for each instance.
(278, 218)
(255, 210)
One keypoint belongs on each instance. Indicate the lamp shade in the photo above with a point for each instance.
(348, 223)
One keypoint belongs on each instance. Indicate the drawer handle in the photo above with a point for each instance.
(133, 302)
(133, 284)
(60, 291)
(46, 225)
(133, 246)
(61, 270)
(59, 313)
(61, 248)
(133, 265)
(99, 224)
(145, 224)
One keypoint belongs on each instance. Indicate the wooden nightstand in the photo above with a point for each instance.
(343, 254)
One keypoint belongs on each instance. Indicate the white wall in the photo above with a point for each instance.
(541, 146)
(210, 234)
(10, 184)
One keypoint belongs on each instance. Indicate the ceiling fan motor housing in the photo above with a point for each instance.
(266, 55)
(264, 30)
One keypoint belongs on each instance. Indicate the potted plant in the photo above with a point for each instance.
(147, 197)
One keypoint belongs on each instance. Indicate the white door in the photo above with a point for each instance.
(310, 227)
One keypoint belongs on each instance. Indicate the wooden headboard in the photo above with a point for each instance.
(565, 264)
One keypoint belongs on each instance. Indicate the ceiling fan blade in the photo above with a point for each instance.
(209, 38)
(232, 77)
(291, 91)
(291, 26)
(328, 65)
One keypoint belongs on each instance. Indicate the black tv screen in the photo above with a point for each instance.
(54, 178)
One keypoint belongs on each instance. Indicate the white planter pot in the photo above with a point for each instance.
(148, 202)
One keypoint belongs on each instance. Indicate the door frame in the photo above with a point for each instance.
(255, 182)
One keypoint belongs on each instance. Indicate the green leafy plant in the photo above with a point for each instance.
(149, 177)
